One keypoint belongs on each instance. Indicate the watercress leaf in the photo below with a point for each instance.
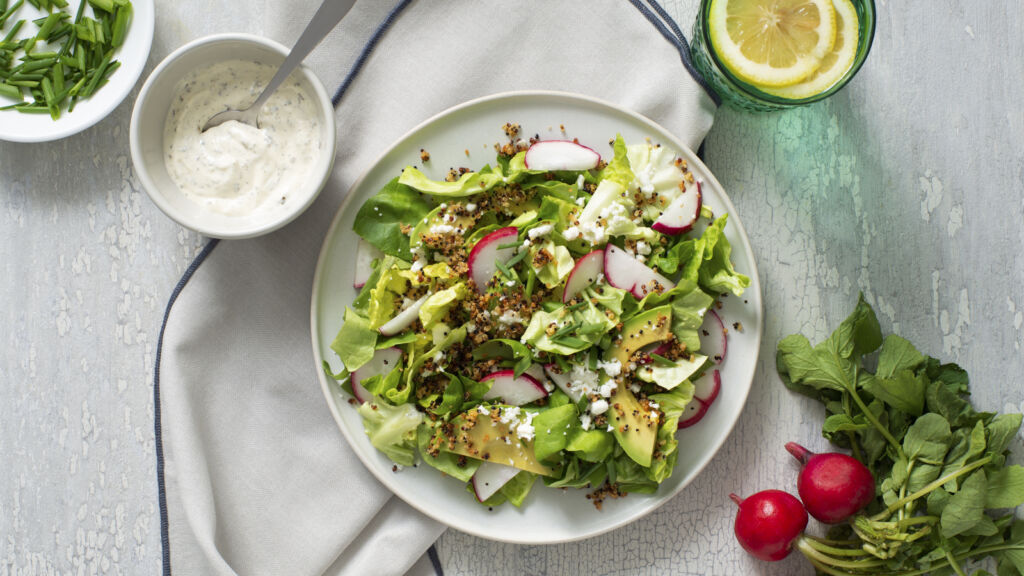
(940, 399)
(552, 427)
(380, 219)
(1001, 431)
(804, 365)
(398, 340)
(473, 391)
(842, 423)
(1005, 488)
(904, 391)
(451, 399)
(965, 508)
(937, 501)
(871, 440)
(859, 334)
(927, 439)
(922, 475)
(950, 374)
(966, 447)
(984, 527)
(897, 354)
(1014, 557)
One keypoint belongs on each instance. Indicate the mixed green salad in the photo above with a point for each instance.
(541, 316)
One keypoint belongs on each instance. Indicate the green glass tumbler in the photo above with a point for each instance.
(745, 96)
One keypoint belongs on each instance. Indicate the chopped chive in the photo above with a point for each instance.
(661, 360)
(531, 279)
(24, 83)
(32, 109)
(40, 56)
(97, 75)
(37, 65)
(120, 27)
(509, 245)
(29, 76)
(592, 359)
(577, 306)
(565, 329)
(506, 272)
(58, 78)
(517, 258)
(105, 5)
(9, 91)
(14, 30)
(48, 24)
(570, 341)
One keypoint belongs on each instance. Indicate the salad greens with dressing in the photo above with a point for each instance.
(537, 317)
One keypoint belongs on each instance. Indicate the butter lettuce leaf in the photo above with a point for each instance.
(355, 341)
(392, 429)
(380, 219)
(439, 303)
(717, 274)
(444, 461)
(468, 184)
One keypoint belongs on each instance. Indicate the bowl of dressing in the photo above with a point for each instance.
(234, 180)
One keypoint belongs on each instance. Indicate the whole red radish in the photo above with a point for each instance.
(768, 523)
(832, 486)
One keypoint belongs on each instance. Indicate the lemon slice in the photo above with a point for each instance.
(836, 63)
(772, 42)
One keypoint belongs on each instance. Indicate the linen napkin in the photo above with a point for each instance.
(254, 476)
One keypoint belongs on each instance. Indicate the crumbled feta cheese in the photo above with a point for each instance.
(579, 182)
(643, 248)
(470, 327)
(585, 421)
(582, 379)
(418, 265)
(483, 410)
(442, 229)
(526, 243)
(510, 414)
(444, 205)
(542, 230)
(471, 207)
(635, 388)
(510, 317)
(510, 283)
(599, 406)
(607, 388)
(611, 428)
(612, 367)
(525, 428)
(593, 232)
(438, 357)
(581, 201)
(571, 233)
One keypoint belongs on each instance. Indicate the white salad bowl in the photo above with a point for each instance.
(548, 515)
(147, 136)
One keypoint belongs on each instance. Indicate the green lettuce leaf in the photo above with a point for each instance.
(552, 427)
(552, 273)
(392, 429)
(717, 274)
(380, 219)
(439, 303)
(618, 169)
(355, 341)
(468, 184)
(444, 461)
(516, 489)
(590, 445)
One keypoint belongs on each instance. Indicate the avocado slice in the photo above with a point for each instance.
(652, 326)
(634, 429)
(484, 438)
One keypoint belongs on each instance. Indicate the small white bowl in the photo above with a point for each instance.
(147, 136)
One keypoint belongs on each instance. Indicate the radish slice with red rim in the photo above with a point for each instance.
(403, 319)
(692, 414)
(382, 363)
(679, 216)
(626, 272)
(561, 155)
(707, 387)
(586, 272)
(486, 252)
(366, 253)
(490, 477)
(713, 343)
(513, 390)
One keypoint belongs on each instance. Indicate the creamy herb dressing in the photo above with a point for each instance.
(236, 169)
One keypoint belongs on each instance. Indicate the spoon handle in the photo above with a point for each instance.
(326, 18)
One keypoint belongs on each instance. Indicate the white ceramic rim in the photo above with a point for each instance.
(326, 163)
(326, 383)
(82, 119)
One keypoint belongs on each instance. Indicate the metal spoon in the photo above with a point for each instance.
(326, 18)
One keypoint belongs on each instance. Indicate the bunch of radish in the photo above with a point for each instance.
(832, 486)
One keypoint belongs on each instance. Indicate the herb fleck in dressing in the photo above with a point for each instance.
(236, 169)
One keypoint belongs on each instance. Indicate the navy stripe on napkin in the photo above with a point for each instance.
(660, 19)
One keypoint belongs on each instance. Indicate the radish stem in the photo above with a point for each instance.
(935, 484)
(809, 551)
(954, 564)
(825, 548)
(874, 421)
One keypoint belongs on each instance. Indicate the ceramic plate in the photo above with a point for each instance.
(548, 515)
(18, 127)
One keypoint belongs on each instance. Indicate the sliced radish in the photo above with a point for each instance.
(564, 383)
(626, 272)
(490, 477)
(366, 253)
(692, 414)
(681, 214)
(659, 348)
(587, 270)
(383, 361)
(712, 337)
(404, 319)
(707, 387)
(512, 390)
(482, 258)
(561, 155)
(538, 374)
